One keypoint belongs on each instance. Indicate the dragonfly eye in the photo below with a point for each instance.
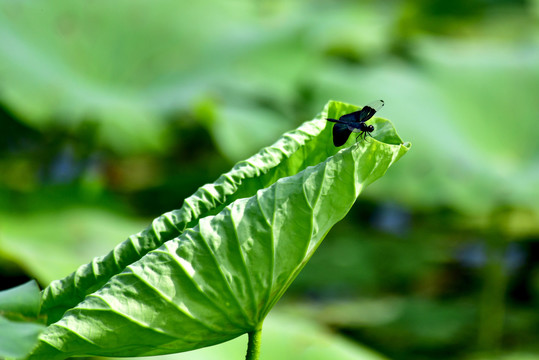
(370, 128)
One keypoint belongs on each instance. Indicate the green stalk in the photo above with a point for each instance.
(492, 303)
(253, 346)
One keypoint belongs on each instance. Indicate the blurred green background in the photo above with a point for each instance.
(112, 112)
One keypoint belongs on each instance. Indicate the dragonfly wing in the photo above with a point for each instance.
(369, 110)
(350, 118)
(364, 114)
(340, 134)
(376, 105)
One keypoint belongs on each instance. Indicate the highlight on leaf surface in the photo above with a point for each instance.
(213, 269)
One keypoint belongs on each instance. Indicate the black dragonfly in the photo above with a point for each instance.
(355, 122)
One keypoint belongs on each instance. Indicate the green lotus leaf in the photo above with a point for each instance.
(19, 327)
(212, 270)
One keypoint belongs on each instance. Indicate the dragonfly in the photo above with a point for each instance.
(355, 122)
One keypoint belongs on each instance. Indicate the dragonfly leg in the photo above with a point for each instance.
(362, 135)
(365, 136)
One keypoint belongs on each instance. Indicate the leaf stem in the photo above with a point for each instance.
(253, 346)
